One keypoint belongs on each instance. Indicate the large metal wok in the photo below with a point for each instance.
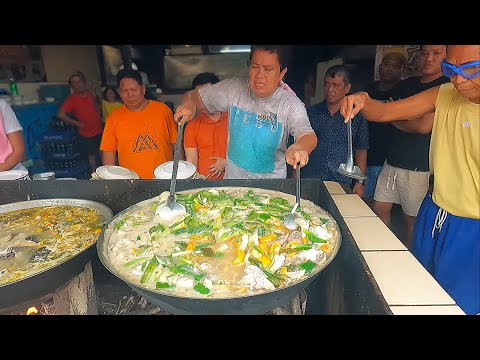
(244, 305)
(49, 279)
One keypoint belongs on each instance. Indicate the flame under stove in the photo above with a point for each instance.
(40, 306)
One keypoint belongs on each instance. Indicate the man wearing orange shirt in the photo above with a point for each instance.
(206, 136)
(142, 132)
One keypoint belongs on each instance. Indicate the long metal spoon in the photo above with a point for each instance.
(172, 209)
(289, 221)
(349, 169)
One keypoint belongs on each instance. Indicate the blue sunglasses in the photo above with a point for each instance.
(468, 70)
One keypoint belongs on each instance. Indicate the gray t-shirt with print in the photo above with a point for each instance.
(258, 129)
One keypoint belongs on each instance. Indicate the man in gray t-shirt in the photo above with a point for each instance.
(262, 115)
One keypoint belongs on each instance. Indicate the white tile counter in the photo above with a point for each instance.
(350, 205)
(404, 283)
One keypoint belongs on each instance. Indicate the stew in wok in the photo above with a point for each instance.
(231, 243)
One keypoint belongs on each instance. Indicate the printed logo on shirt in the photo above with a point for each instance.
(253, 140)
(144, 142)
(466, 124)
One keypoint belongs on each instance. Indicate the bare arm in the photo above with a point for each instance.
(191, 104)
(422, 125)
(191, 155)
(301, 149)
(18, 145)
(109, 157)
(413, 107)
(64, 117)
(361, 160)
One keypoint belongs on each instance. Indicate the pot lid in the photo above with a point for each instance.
(13, 174)
(110, 172)
(185, 170)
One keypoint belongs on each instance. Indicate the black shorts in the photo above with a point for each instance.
(90, 145)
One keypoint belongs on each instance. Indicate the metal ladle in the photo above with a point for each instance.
(349, 169)
(171, 209)
(289, 221)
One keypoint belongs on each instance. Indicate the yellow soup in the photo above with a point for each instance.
(32, 240)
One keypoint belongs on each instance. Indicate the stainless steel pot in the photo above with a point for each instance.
(49, 279)
(244, 305)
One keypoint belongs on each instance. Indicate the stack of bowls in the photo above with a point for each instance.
(186, 170)
(14, 175)
(44, 176)
(114, 172)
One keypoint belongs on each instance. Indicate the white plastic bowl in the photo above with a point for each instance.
(14, 175)
(186, 170)
(112, 172)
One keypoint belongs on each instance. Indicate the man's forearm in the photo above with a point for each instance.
(307, 142)
(421, 125)
(68, 119)
(192, 98)
(361, 160)
(109, 157)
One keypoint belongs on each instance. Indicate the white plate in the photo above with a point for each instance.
(110, 172)
(185, 170)
(13, 175)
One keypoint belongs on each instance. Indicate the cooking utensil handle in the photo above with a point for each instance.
(176, 157)
(297, 192)
(350, 147)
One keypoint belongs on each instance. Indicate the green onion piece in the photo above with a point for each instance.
(135, 261)
(149, 270)
(165, 286)
(119, 224)
(312, 237)
(308, 265)
(200, 288)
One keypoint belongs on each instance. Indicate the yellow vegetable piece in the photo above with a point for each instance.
(191, 245)
(283, 229)
(264, 247)
(324, 247)
(275, 248)
(195, 237)
(265, 260)
(267, 238)
(291, 244)
(240, 257)
(283, 270)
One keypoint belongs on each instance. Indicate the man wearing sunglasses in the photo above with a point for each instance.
(448, 224)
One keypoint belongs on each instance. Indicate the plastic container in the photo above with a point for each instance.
(13, 87)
